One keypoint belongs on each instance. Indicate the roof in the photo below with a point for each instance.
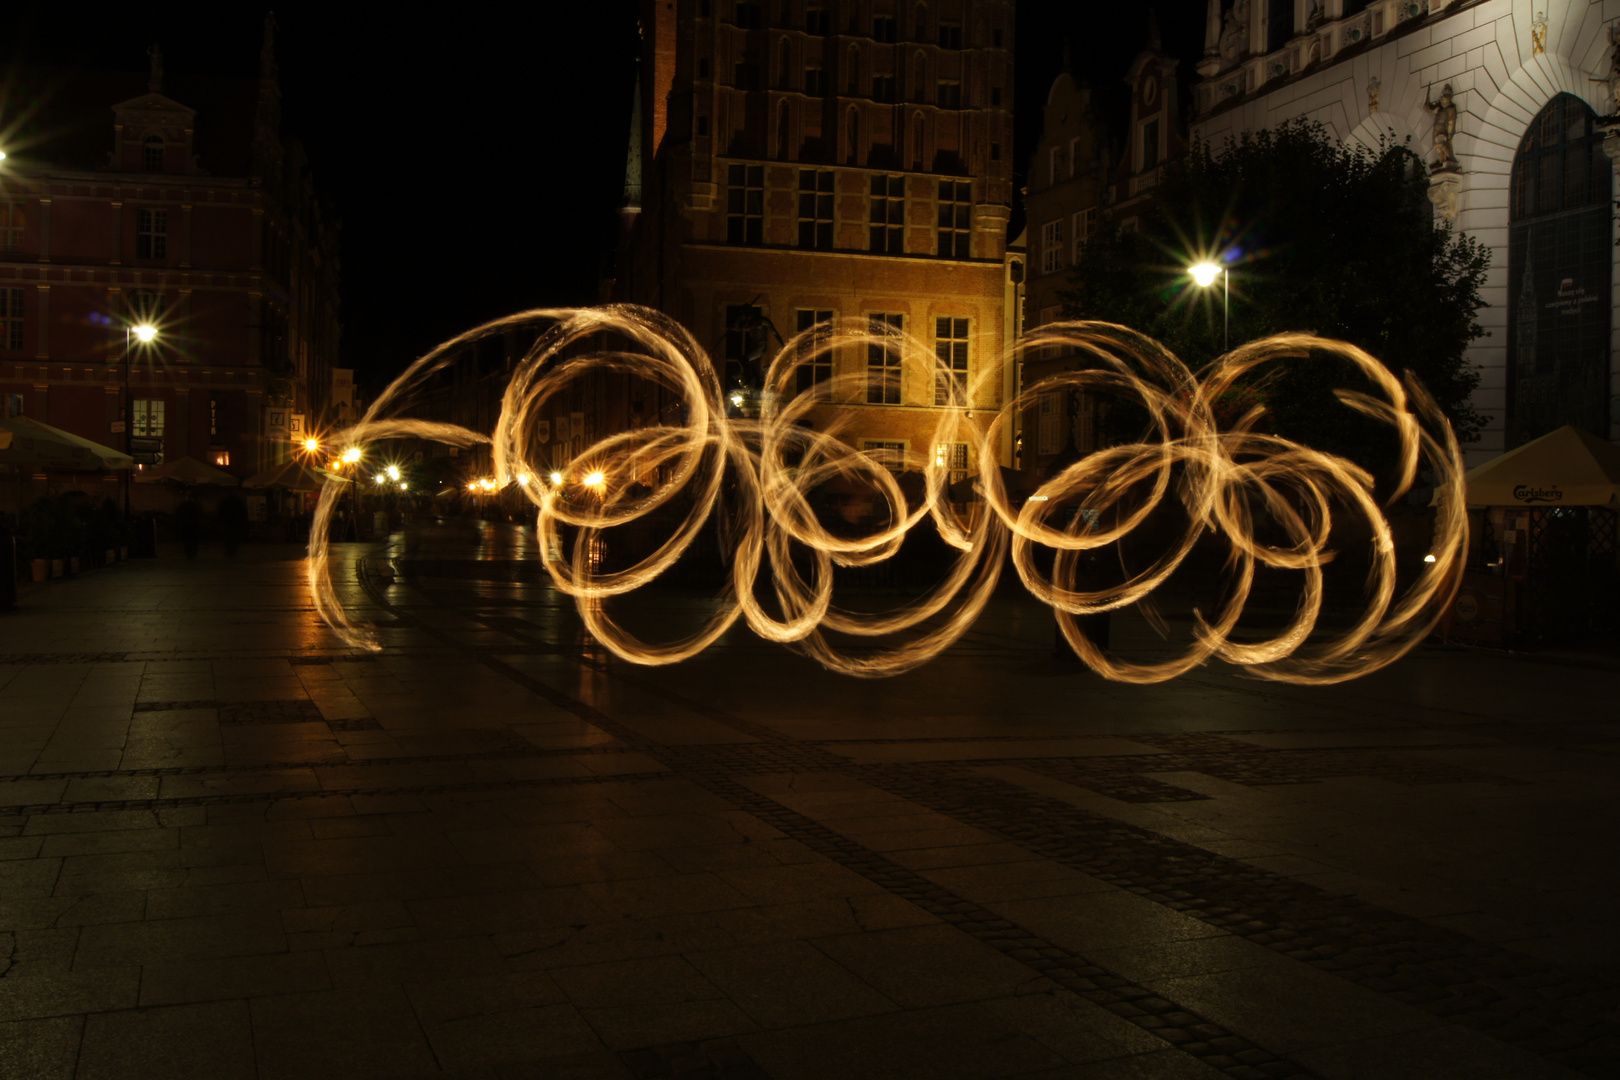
(1568, 467)
(64, 116)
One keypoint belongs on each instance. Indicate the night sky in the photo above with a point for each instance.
(476, 164)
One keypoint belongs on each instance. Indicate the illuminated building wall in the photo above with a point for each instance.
(816, 157)
(1533, 84)
(177, 204)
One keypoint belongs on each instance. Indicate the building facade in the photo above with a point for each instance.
(1513, 104)
(121, 207)
(814, 160)
(1076, 175)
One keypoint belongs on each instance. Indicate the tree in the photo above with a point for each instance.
(1321, 237)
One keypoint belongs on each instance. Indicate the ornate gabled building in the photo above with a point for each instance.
(1513, 104)
(1076, 176)
(830, 159)
(178, 205)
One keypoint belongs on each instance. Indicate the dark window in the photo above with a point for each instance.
(995, 151)
(1150, 145)
(815, 82)
(1560, 266)
(995, 95)
(151, 234)
(956, 219)
(11, 318)
(745, 75)
(815, 366)
(746, 341)
(883, 362)
(890, 455)
(816, 21)
(995, 37)
(745, 204)
(950, 94)
(152, 154)
(1280, 24)
(748, 14)
(703, 68)
(950, 36)
(883, 87)
(951, 348)
(11, 227)
(1354, 7)
(703, 125)
(703, 9)
(816, 208)
(888, 215)
(14, 406)
(883, 29)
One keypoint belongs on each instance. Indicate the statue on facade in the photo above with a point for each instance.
(1374, 88)
(1538, 34)
(1445, 129)
(1235, 33)
(1613, 78)
(154, 81)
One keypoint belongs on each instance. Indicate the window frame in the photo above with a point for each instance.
(745, 204)
(1052, 245)
(13, 321)
(151, 233)
(885, 383)
(886, 215)
(146, 417)
(952, 335)
(955, 237)
(817, 228)
(814, 372)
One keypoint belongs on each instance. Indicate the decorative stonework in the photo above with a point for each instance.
(1445, 192)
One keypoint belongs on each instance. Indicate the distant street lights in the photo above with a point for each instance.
(1204, 274)
(145, 333)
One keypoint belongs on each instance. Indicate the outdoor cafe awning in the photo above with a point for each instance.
(30, 443)
(1568, 467)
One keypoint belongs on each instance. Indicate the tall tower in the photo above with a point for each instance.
(831, 159)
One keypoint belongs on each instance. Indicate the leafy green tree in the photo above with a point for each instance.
(1320, 237)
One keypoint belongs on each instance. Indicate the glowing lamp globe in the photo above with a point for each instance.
(1205, 273)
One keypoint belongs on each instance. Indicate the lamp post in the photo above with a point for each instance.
(1204, 274)
(145, 333)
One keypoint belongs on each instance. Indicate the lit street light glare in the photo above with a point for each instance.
(393, 472)
(1204, 273)
(352, 454)
(312, 445)
(145, 332)
(595, 479)
(556, 478)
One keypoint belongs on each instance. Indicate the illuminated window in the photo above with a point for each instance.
(888, 218)
(222, 457)
(890, 455)
(952, 456)
(152, 154)
(883, 362)
(951, 347)
(11, 227)
(745, 204)
(11, 318)
(955, 219)
(151, 234)
(816, 208)
(147, 416)
(815, 372)
(950, 94)
(1052, 246)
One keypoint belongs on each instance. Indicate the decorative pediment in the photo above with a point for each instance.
(153, 133)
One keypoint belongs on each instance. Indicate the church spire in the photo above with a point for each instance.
(267, 114)
(632, 162)
(1212, 29)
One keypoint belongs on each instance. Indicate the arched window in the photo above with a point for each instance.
(152, 154)
(1559, 270)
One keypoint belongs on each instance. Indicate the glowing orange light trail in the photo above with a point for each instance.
(1228, 483)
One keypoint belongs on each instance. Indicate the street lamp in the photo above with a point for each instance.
(1204, 274)
(145, 333)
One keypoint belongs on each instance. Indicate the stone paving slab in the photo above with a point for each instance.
(231, 846)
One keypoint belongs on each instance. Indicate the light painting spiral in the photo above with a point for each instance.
(754, 479)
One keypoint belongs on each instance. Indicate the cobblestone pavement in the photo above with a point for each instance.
(231, 847)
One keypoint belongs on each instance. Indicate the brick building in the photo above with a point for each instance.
(121, 204)
(830, 159)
